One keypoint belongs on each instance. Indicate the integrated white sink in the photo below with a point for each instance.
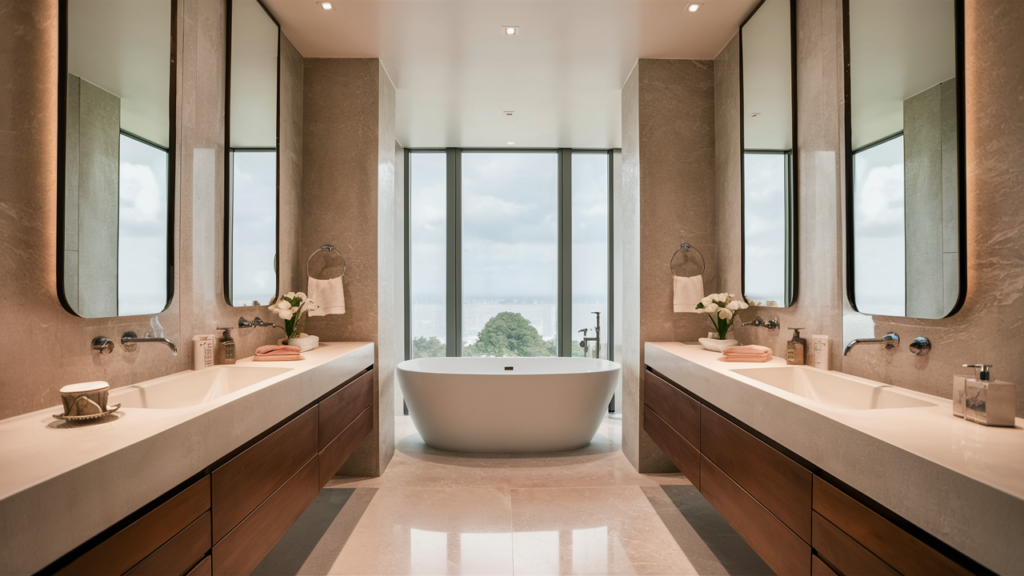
(192, 388)
(833, 389)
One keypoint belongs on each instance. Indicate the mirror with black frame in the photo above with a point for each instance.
(251, 207)
(768, 132)
(115, 157)
(905, 202)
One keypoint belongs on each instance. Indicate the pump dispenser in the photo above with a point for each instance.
(796, 349)
(989, 402)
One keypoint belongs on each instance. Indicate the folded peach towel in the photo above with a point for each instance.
(276, 350)
(747, 350)
(746, 358)
(271, 358)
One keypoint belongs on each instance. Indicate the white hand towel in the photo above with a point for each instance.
(327, 295)
(687, 292)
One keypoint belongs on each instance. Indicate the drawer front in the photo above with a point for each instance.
(248, 479)
(338, 410)
(819, 568)
(243, 548)
(204, 568)
(179, 553)
(890, 543)
(777, 482)
(677, 408)
(778, 546)
(122, 551)
(678, 450)
(335, 454)
(841, 551)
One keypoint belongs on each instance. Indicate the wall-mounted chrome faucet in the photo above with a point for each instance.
(596, 338)
(891, 340)
(130, 341)
(757, 322)
(257, 322)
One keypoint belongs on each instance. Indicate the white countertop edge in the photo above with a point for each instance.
(970, 494)
(49, 507)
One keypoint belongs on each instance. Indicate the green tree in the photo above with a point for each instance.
(423, 347)
(509, 334)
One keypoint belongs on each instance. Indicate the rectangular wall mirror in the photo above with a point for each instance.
(905, 164)
(768, 120)
(251, 207)
(115, 157)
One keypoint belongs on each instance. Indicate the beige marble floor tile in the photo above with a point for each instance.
(595, 530)
(431, 531)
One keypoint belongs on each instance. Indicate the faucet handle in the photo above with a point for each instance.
(773, 324)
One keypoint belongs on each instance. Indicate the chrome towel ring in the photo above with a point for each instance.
(685, 248)
(327, 248)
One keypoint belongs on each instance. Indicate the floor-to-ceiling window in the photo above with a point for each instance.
(253, 226)
(509, 254)
(428, 245)
(141, 227)
(590, 257)
(765, 207)
(500, 242)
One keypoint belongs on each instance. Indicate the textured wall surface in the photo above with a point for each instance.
(669, 181)
(727, 166)
(348, 201)
(990, 325)
(46, 347)
(292, 264)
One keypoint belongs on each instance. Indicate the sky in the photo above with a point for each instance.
(142, 229)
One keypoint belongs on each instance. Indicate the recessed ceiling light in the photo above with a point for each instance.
(511, 143)
(508, 112)
(327, 5)
(693, 7)
(510, 30)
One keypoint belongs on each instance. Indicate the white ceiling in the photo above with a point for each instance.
(897, 50)
(124, 47)
(456, 73)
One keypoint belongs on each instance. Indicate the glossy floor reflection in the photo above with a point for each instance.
(581, 512)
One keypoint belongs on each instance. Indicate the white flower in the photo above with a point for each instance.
(285, 314)
(732, 296)
(290, 295)
(743, 306)
(300, 295)
(734, 305)
(711, 308)
(706, 301)
(725, 314)
(283, 304)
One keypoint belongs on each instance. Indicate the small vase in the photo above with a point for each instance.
(305, 342)
(716, 345)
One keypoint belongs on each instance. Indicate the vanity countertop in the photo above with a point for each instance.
(63, 484)
(960, 481)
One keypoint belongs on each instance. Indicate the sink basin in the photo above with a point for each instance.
(833, 389)
(192, 388)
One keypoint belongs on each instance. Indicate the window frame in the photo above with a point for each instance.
(453, 247)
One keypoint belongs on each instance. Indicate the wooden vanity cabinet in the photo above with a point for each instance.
(796, 521)
(226, 521)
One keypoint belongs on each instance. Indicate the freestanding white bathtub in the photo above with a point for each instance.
(507, 404)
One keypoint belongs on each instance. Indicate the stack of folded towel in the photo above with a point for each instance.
(747, 354)
(273, 353)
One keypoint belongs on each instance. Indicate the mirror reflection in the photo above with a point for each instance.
(252, 156)
(116, 133)
(905, 138)
(768, 134)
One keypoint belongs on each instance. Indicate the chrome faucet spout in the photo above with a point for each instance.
(130, 339)
(891, 340)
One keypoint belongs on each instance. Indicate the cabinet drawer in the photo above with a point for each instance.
(338, 410)
(677, 408)
(240, 485)
(122, 551)
(678, 450)
(204, 568)
(179, 553)
(335, 454)
(245, 546)
(777, 482)
(819, 568)
(890, 543)
(778, 546)
(841, 551)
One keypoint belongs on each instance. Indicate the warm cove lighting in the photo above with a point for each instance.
(693, 7)
(327, 5)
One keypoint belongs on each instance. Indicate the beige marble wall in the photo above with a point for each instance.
(669, 182)
(292, 268)
(348, 201)
(989, 326)
(44, 347)
(820, 165)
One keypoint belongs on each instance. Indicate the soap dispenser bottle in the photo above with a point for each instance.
(989, 402)
(796, 349)
(229, 346)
